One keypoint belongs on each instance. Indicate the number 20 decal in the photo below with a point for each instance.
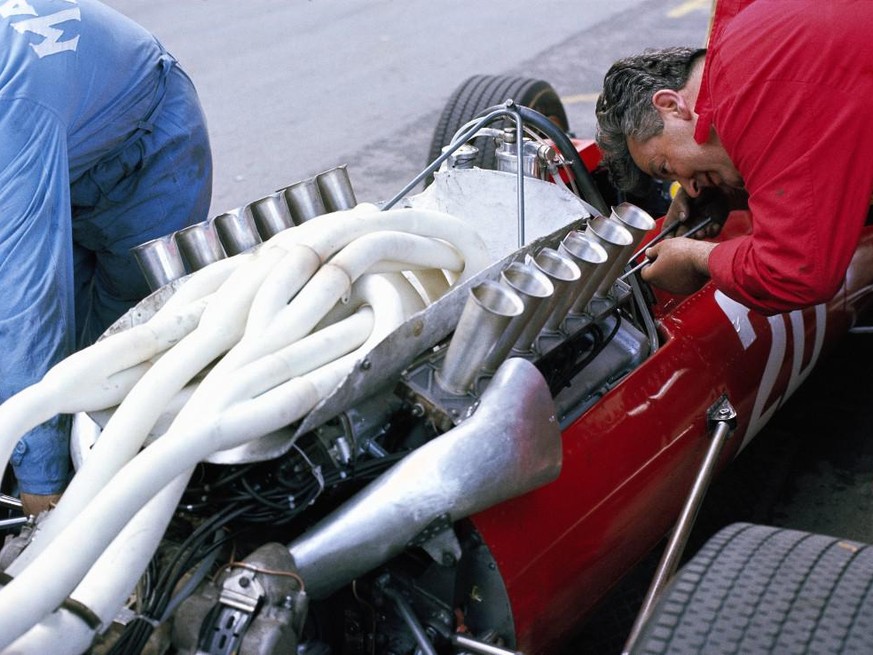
(779, 325)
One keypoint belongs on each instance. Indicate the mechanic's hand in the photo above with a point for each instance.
(715, 203)
(679, 265)
(34, 505)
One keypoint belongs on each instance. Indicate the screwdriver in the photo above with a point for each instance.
(670, 230)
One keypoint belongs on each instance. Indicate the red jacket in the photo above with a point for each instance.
(788, 88)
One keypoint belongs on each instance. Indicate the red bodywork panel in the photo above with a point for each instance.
(589, 152)
(629, 462)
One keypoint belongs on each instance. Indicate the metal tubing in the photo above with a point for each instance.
(519, 174)
(660, 237)
(565, 146)
(563, 273)
(614, 238)
(236, 231)
(270, 214)
(486, 315)
(304, 200)
(534, 288)
(447, 152)
(160, 261)
(10, 501)
(702, 224)
(336, 189)
(636, 268)
(199, 245)
(13, 522)
(637, 221)
(591, 258)
(411, 620)
(724, 417)
(465, 643)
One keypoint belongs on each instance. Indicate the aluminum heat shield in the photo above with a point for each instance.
(488, 200)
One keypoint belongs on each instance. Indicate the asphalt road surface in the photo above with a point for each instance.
(291, 89)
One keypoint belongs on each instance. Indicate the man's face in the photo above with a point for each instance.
(674, 155)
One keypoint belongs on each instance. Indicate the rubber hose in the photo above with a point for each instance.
(587, 187)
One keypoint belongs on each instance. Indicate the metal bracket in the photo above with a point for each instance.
(722, 412)
(242, 591)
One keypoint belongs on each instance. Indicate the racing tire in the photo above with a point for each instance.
(480, 92)
(756, 589)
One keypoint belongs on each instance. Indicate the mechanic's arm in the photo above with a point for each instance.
(808, 199)
(679, 265)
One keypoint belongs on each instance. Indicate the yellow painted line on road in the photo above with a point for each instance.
(580, 98)
(688, 6)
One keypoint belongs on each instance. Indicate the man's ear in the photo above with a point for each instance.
(668, 101)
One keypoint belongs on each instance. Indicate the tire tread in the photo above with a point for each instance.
(757, 589)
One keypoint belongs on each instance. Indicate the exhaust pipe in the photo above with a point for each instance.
(270, 214)
(304, 200)
(511, 445)
(160, 261)
(486, 315)
(336, 189)
(199, 245)
(236, 231)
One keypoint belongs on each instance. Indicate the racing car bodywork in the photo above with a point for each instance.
(449, 488)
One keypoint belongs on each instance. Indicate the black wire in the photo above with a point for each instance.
(222, 480)
(242, 501)
(262, 498)
(136, 634)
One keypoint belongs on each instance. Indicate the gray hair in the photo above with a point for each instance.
(624, 108)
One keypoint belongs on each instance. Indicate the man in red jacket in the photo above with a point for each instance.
(775, 114)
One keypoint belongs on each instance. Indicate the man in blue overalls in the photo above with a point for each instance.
(103, 146)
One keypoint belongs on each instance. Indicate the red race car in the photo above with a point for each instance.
(449, 422)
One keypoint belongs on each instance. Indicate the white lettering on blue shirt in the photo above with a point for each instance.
(43, 26)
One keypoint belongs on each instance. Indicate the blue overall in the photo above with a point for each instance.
(103, 146)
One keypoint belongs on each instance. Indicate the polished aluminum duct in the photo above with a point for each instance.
(509, 446)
